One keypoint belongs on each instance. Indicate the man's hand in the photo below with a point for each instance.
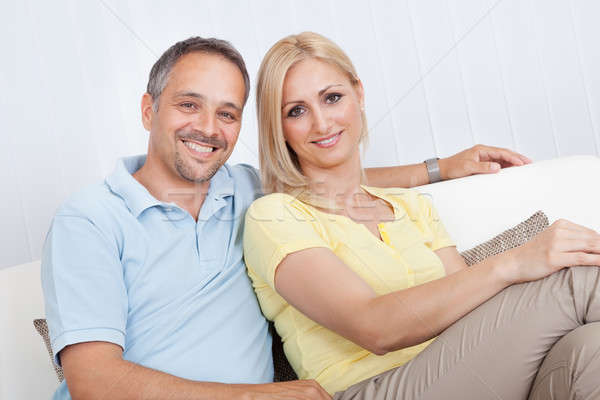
(479, 159)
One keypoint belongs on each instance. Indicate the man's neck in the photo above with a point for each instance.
(168, 188)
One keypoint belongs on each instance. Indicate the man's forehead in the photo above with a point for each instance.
(208, 76)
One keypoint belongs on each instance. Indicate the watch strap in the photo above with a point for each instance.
(433, 169)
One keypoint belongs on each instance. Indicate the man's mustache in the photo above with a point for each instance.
(200, 137)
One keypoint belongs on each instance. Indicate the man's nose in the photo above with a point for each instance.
(206, 123)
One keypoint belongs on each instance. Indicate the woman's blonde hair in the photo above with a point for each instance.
(279, 166)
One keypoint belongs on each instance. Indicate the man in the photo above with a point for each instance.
(143, 276)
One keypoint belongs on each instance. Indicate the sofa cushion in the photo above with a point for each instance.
(42, 328)
(507, 240)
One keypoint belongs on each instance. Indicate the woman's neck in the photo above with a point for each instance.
(339, 185)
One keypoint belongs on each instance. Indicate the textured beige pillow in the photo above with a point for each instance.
(507, 240)
(42, 328)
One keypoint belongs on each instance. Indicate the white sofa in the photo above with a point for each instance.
(473, 210)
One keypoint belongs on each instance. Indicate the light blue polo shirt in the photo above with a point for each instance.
(120, 266)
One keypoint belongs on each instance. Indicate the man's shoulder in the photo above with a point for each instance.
(246, 180)
(94, 202)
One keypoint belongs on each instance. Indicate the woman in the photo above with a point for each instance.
(362, 280)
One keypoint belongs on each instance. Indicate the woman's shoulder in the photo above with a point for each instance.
(272, 200)
(410, 200)
(278, 205)
(397, 194)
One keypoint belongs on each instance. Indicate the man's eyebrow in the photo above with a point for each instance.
(326, 88)
(203, 98)
(232, 105)
(190, 94)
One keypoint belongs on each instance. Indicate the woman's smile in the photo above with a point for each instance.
(329, 141)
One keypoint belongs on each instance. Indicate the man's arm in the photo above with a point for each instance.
(96, 370)
(478, 159)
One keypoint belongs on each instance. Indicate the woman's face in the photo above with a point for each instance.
(321, 114)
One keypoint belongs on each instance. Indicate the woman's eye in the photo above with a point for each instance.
(333, 98)
(295, 112)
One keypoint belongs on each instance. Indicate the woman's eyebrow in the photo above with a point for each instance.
(320, 94)
(328, 87)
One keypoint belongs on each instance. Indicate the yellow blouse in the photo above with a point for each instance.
(278, 224)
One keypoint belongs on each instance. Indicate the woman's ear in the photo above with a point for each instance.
(360, 92)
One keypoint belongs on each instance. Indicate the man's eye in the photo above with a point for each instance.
(228, 116)
(296, 112)
(333, 98)
(188, 105)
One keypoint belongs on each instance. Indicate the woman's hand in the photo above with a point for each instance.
(479, 159)
(563, 244)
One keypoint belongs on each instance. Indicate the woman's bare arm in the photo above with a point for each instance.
(479, 159)
(320, 285)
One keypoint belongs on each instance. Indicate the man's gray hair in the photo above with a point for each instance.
(159, 74)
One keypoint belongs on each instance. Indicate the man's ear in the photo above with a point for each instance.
(147, 111)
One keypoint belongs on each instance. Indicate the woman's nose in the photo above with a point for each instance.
(321, 121)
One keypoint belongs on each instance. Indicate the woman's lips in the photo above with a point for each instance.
(329, 140)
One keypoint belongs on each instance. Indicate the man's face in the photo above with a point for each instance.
(199, 114)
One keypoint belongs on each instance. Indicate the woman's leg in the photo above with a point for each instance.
(495, 351)
(571, 370)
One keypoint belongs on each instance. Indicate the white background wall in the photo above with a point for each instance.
(439, 75)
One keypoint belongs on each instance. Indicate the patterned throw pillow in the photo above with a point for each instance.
(507, 240)
(42, 328)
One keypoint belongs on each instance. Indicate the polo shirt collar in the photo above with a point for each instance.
(136, 196)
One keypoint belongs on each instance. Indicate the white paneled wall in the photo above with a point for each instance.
(439, 76)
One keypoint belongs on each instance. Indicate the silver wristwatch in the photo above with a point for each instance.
(433, 170)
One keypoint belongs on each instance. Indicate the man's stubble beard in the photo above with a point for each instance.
(187, 172)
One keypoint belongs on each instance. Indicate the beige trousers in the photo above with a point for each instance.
(535, 340)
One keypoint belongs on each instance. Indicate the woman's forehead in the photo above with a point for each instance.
(311, 76)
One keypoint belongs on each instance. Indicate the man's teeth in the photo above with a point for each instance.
(327, 141)
(198, 148)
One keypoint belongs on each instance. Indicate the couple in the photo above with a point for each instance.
(146, 289)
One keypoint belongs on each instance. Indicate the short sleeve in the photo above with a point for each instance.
(421, 211)
(277, 225)
(82, 280)
(440, 237)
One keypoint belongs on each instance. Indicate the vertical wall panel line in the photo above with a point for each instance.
(543, 70)
(421, 77)
(336, 27)
(513, 134)
(384, 77)
(588, 98)
(294, 15)
(255, 30)
(460, 70)
(211, 18)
